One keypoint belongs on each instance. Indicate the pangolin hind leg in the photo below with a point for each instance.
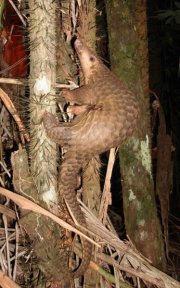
(83, 95)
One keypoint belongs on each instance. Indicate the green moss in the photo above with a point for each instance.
(127, 157)
(147, 210)
(126, 58)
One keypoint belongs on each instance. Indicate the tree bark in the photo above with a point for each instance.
(42, 34)
(128, 55)
(40, 184)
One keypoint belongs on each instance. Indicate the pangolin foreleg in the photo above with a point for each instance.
(60, 134)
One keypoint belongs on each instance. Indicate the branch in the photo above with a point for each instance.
(106, 195)
(13, 81)
(11, 108)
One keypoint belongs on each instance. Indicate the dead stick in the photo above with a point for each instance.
(11, 108)
(106, 195)
(13, 81)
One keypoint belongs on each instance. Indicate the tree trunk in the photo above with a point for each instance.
(42, 187)
(128, 54)
(42, 33)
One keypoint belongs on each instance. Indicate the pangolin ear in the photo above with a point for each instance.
(92, 58)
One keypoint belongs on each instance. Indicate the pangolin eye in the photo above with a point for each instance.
(92, 58)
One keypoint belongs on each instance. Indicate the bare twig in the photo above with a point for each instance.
(18, 13)
(106, 196)
(16, 252)
(4, 80)
(5, 169)
(7, 245)
(11, 108)
(14, 81)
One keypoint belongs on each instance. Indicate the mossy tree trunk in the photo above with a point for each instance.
(128, 55)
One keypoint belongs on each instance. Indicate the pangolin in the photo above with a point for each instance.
(109, 115)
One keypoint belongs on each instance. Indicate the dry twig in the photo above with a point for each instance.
(11, 108)
(106, 196)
